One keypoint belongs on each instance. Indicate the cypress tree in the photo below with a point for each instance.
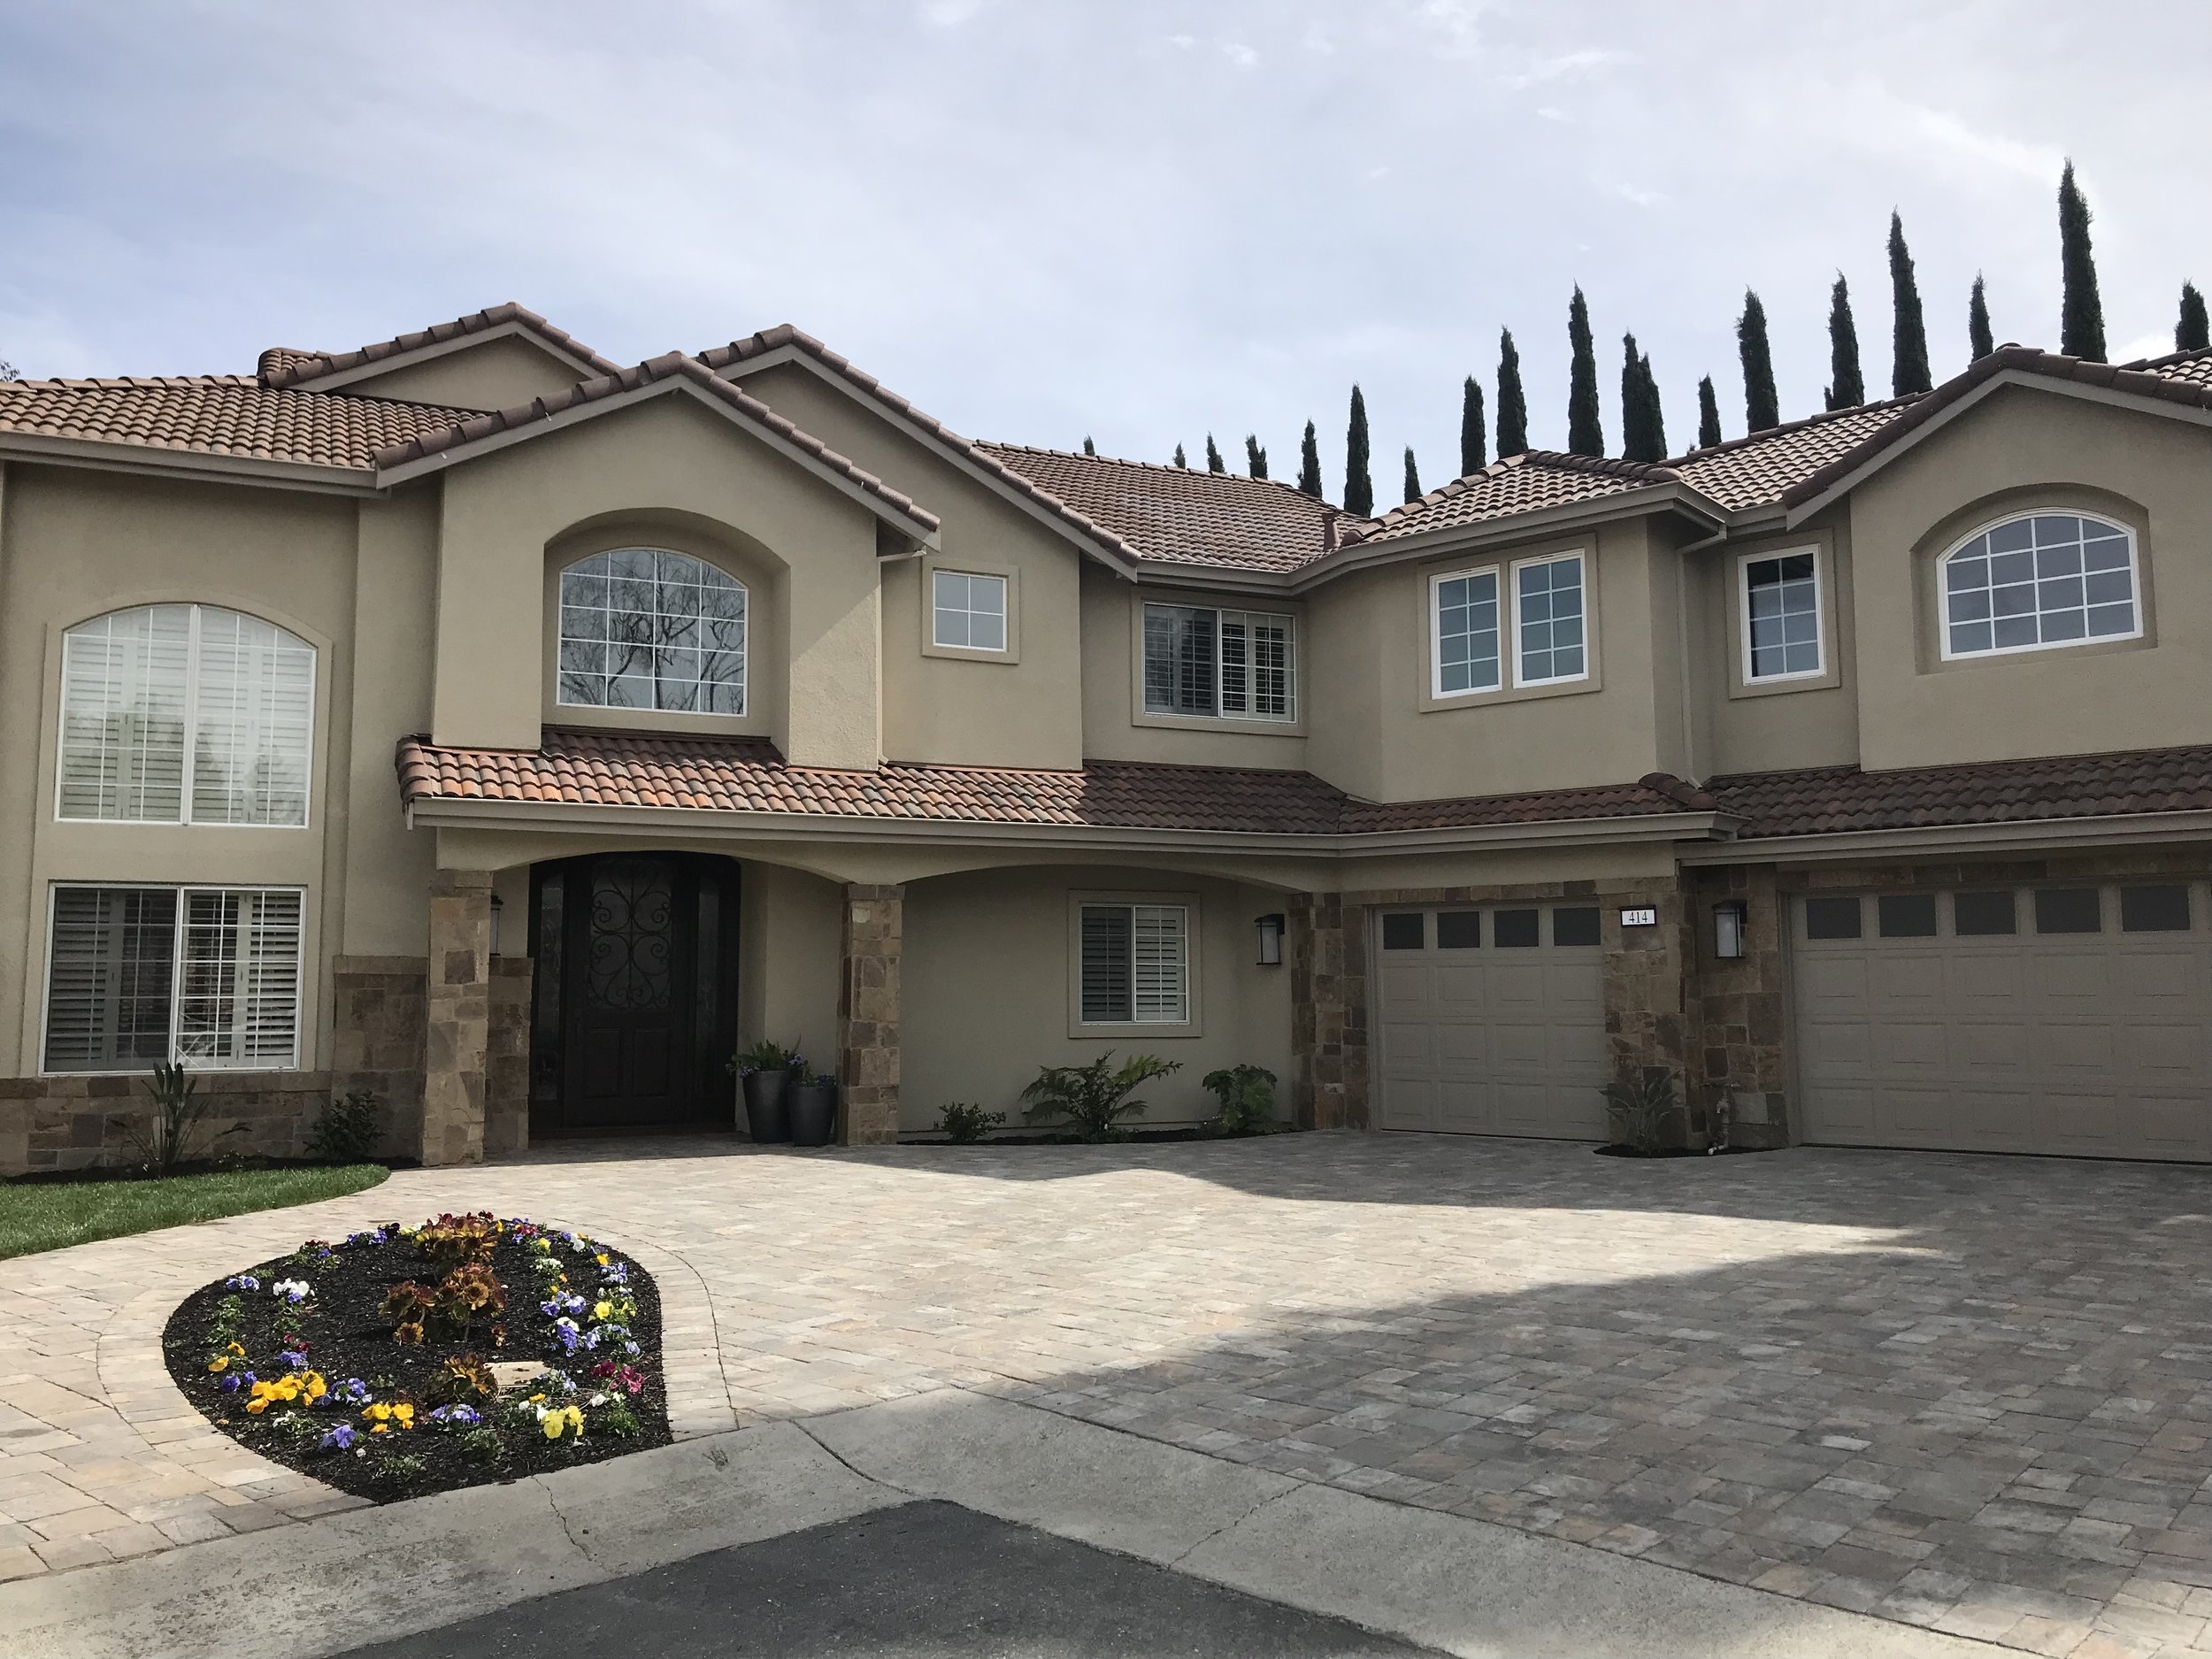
(1359, 488)
(1089, 448)
(1179, 461)
(1708, 414)
(1980, 340)
(1761, 408)
(2192, 333)
(1310, 465)
(1638, 400)
(1214, 463)
(1472, 441)
(1847, 387)
(1413, 477)
(1585, 433)
(1655, 413)
(1512, 403)
(2081, 314)
(1909, 373)
(1255, 458)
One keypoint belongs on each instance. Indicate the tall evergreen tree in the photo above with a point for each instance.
(1359, 488)
(1909, 372)
(1473, 442)
(2081, 313)
(1708, 414)
(2192, 333)
(1512, 401)
(1214, 463)
(1255, 457)
(1847, 387)
(1979, 339)
(1585, 435)
(1761, 408)
(1643, 437)
(1179, 461)
(1413, 477)
(1310, 465)
(1088, 447)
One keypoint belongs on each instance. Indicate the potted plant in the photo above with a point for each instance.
(764, 1072)
(813, 1107)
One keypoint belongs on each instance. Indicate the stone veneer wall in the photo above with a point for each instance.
(376, 1039)
(1328, 1011)
(458, 1016)
(868, 1015)
(74, 1123)
(507, 1059)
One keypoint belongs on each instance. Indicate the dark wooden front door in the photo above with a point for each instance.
(635, 997)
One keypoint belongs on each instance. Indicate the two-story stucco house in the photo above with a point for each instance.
(473, 719)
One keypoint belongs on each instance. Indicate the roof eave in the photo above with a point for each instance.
(586, 364)
(2017, 836)
(164, 462)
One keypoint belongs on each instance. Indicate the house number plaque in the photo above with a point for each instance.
(1640, 918)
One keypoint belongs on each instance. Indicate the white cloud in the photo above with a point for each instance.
(948, 14)
(1237, 53)
(1565, 66)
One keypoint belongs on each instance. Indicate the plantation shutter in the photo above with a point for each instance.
(239, 977)
(256, 715)
(1255, 667)
(1105, 965)
(123, 680)
(108, 978)
(1179, 660)
(1159, 995)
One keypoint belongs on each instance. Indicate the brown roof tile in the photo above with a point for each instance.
(1517, 484)
(1832, 799)
(590, 768)
(1754, 470)
(286, 365)
(2188, 368)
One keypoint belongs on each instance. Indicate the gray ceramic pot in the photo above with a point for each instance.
(813, 1113)
(767, 1098)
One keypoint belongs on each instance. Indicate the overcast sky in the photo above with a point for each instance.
(1141, 221)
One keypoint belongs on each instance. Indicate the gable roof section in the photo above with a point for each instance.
(787, 343)
(1174, 515)
(1750, 473)
(1519, 484)
(282, 366)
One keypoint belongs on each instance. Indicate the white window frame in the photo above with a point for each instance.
(1005, 613)
(184, 892)
(187, 787)
(744, 653)
(1744, 562)
(1943, 591)
(1290, 717)
(1436, 632)
(1589, 647)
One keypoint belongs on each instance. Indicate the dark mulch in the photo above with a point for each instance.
(348, 1338)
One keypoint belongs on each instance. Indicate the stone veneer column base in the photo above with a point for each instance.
(458, 1016)
(868, 1015)
(1328, 1011)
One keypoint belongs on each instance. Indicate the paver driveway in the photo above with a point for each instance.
(1959, 1390)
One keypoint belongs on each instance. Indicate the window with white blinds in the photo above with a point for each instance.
(210, 976)
(1224, 664)
(185, 714)
(1136, 964)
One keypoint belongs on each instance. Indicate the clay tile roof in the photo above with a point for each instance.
(2187, 368)
(284, 365)
(469, 427)
(1754, 470)
(1830, 799)
(984, 456)
(1181, 515)
(592, 768)
(1517, 484)
(224, 415)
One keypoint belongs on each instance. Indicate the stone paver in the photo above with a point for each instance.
(1972, 1393)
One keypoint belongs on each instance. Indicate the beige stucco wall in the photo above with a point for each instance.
(790, 951)
(669, 454)
(496, 373)
(987, 991)
(2020, 449)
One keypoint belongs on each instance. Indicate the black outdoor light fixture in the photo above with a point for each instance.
(497, 907)
(1729, 921)
(1270, 931)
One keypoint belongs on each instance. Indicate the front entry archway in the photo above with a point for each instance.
(634, 1014)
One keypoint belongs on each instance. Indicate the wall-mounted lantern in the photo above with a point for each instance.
(1270, 932)
(496, 907)
(1729, 920)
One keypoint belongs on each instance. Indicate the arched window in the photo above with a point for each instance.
(185, 714)
(2037, 580)
(645, 628)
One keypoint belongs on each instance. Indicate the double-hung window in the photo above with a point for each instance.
(1220, 664)
(1781, 617)
(1550, 644)
(967, 611)
(2039, 580)
(1134, 963)
(139, 974)
(184, 714)
(1531, 617)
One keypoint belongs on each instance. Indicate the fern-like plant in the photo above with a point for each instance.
(1638, 1108)
(1247, 1095)
(1094, 1098)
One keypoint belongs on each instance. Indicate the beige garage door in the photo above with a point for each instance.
(1491, 1020)
(2068, 1019)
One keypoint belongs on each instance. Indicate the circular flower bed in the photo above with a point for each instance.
(409, 1360)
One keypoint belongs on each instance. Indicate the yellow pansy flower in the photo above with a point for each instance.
(221, 1361)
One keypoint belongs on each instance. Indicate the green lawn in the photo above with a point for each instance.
(43, 1216)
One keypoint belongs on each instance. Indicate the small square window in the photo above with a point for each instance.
(2163, 909)
(1975, 915)
(1511, 929)
(968, 610)
(1906, 915)
(2068, 910)
(1406, 930)
(1458, 930)
(1575, 925)
(1832, 919)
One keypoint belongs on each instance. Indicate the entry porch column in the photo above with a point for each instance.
(457, 1015)
(868, 1014)
(1328, 1011)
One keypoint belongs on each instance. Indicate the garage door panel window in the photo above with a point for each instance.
(1982, 914)
(2159, 909)
(2038, 581)
(1458, 930)
(1906, 915)
(1516, 929)
(1406, 931)
(1829, 917)
(1575, 925)
(2068, 910)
